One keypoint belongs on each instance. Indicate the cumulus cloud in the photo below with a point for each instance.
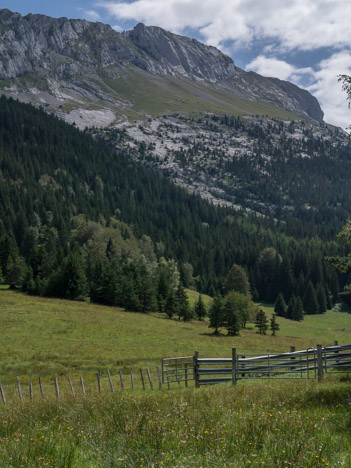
(293, 24)
(329, 91)
(325, 86)
(91, 15)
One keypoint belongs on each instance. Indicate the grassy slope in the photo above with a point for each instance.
(299, 423)
(42, 336)
(296, 424)
(158, 95)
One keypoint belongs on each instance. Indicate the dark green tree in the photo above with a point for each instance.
(200, 309)
(322, 298)
(231, 315)
(216, 313)
(261, 322)
(310, 302)
(274, 325)
(237, 280)
(280, 307)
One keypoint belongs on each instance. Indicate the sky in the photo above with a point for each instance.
(305, 42)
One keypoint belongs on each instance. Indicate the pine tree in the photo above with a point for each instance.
(200, 309)
(310, 302)
(261, 322)
(280, 307)
(274, 324)
(171, 305)
(183, 307)
(216, 313)
(231, 317)
(322, 298)
(297, 313)
(291, 307)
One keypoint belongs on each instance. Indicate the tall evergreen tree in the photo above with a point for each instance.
(231, 315)
(310, 302)
(274, 325)
(280, 307)
(261, 322)
(322, 298)
(200, 309)
(216, 313)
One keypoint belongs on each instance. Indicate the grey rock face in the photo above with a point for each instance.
(77, 53)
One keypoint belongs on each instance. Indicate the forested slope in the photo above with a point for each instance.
(70, 206)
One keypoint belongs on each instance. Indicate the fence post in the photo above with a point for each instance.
(149, 378)
(121, 379)
(234, 366)
(71, 386)
(2, 394)
(98, 375)
(41, 388)
(335, 343)
(319, 362)
(162, 371)
(82, 385)
(292, 350)
(19, 388)
(142, 378)
(186, 375)
(132, 380)
(196, 369)
(159, 378)
(57, 388)
(31, 389)
(110, 380)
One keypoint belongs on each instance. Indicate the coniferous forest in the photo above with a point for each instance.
(79, 220)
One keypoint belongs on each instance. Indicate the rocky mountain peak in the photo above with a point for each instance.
(72, 58)
(176, 54)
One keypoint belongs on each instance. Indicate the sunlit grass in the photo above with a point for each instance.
(276, 424)
(44, 336)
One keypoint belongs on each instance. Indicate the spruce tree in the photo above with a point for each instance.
(280, 307)
(200, 309)
(216, 313)
(231, 317)
(261, 322)
(274, 324)
(297, 313)
(322, 298)
(310, 302)
(291, 307)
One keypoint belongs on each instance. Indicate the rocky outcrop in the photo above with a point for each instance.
(74, 54)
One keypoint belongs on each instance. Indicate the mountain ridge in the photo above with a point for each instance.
(55, 62)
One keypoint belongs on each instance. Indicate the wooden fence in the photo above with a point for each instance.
(310, 363)
(26, 389)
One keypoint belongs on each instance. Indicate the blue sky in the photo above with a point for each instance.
(307, 43)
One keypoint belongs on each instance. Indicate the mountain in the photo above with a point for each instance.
(92, 75)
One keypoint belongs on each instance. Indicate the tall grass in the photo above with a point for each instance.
(277, 424)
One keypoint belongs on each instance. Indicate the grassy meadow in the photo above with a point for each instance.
(284, 423)
(44, 336)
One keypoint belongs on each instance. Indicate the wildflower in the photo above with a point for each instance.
(205, 432)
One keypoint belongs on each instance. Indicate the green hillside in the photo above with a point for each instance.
(43, 336)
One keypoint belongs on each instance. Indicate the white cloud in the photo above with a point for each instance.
(325, 87)
(271, 67)
(91, 15)
(293, 24)
(329, 91)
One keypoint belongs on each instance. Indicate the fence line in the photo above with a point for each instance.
(311, 363)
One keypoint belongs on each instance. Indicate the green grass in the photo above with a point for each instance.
(297, 423)
(44, 336)
(158, 95)
(277, 424)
